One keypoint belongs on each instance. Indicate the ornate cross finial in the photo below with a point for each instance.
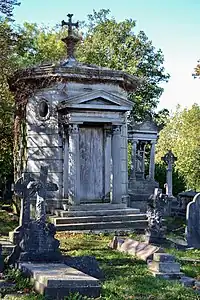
(70, 40)
(169, 158)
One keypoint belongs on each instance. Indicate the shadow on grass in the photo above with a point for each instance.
(125, 276)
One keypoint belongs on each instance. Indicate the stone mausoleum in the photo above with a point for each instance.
(72, 117)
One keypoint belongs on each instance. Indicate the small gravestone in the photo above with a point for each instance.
(38, 242)
(193, 223)
(155, 231)
(169, 159)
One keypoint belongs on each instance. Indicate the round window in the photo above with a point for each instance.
(43, 109)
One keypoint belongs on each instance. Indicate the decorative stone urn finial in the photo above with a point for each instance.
(70, 40)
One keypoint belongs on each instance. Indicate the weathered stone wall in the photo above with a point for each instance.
(45, 144)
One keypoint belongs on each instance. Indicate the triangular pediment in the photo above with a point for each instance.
(148, 125)
(97, 100)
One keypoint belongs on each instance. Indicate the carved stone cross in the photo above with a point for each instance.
(70, 40)
(27, 187)
(23, 190)
(70, 24)
(41, 188)
(169, 159)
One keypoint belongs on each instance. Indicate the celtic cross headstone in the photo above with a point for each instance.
(169, 159)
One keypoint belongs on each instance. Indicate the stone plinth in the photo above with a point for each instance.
(57, 281)
(38, 243)
(139, 192)
(164, 266)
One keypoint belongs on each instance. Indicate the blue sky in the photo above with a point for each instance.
(172, 25)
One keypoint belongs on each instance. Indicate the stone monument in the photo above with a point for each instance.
(75, 122)
(22, 190)
(155, 231)
(193, 223)
(141, 185)
(36, 237)
(169, 159)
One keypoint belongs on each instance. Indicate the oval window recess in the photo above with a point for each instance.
(43, 109)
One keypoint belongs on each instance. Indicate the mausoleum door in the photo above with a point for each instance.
(91, 142)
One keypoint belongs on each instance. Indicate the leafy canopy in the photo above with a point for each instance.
(7, 41)
(182, 136)
(106, 43)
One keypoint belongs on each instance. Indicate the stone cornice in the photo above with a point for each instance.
(78, 73)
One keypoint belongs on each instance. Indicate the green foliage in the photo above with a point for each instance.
(125, 276)
(8, 222)
(182, 136)
(160, 177)
(197, 70)
(37, 45)
(6, 7)
(15, 275)
(115, 45)
(6, 101)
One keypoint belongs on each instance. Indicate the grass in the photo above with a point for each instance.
(125, 276)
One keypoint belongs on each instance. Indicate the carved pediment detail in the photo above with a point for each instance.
(96, 99)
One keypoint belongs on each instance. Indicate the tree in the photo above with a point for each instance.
(7, 6)
(197, 70)
(113, 44)
(182, 136)
(106, 43)
(7, 40)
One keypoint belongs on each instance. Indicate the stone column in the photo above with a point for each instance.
(107, 162)
(116, 165)
(65, 163)
(143, 161)
(74, 165)
(152, 161)
(133, 160)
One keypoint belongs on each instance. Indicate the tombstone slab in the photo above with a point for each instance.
(193, 223)
(141, 250)
(57, 281)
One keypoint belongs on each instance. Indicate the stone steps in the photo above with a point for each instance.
(103, 217)
(97, 219)
(96, 206)
(104, 226)
(96, 212)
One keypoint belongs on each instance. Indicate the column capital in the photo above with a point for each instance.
(73, 128)
(116, 129)
(108, 131)
(134, 142)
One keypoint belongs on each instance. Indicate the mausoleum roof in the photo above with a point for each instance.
(72, 70)
(77, 72)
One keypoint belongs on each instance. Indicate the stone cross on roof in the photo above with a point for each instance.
(70, 40)
(70, 24)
